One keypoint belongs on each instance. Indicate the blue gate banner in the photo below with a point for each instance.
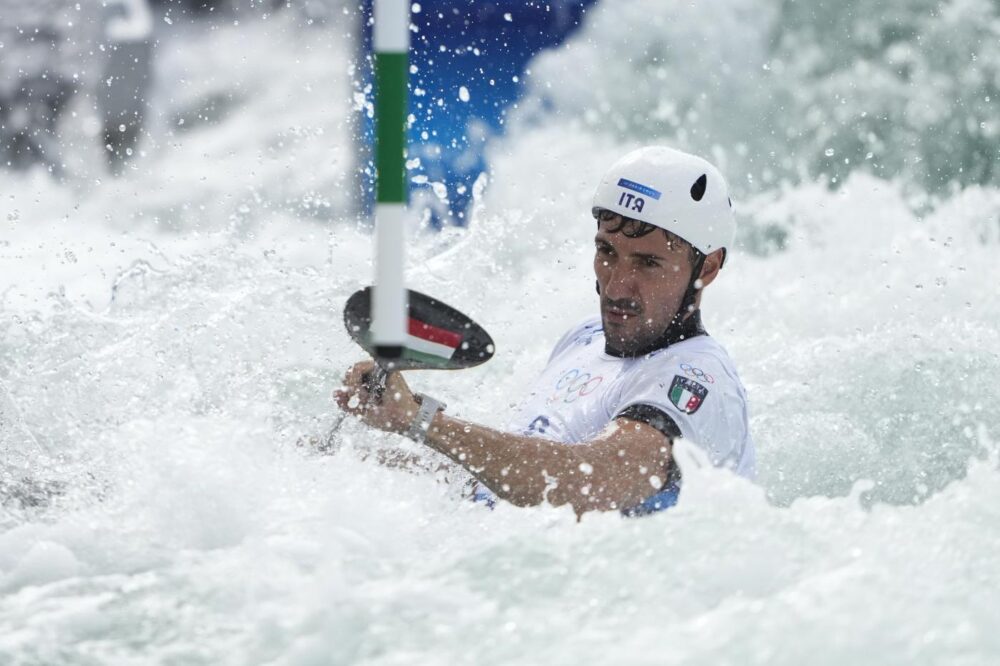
(468, 61)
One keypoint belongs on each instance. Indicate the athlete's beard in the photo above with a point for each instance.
(627, 338)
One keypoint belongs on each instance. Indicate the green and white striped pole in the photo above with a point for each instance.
(392, 44)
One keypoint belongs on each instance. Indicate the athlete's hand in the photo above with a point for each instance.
(394, 413)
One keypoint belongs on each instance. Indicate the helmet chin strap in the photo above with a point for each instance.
(686, 322)
(691, 293)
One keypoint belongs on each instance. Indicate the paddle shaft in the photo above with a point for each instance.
(392, 43)
(375, 382)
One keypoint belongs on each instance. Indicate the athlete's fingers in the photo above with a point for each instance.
(352, 401)
(357, 371)
(355, 397)
(354, 379)
(353, 391)
(341, 396)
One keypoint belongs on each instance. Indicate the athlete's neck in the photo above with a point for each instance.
(689, 327)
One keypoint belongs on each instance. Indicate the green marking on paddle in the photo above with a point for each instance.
(429, 360)
(391, 75)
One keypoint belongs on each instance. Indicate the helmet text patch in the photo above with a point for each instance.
(628, 200)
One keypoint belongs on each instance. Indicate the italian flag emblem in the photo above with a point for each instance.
(687, 394)
(430, 344)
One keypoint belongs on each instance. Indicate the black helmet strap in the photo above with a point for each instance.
(691, 293)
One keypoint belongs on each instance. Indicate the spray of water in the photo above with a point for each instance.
(170, 340)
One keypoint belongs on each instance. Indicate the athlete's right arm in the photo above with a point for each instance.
(619, 468)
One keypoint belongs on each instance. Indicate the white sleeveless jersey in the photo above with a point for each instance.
(582, 389)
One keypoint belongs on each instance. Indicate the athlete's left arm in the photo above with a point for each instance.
(619, 468)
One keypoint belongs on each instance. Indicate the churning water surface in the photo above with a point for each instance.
(169, 339)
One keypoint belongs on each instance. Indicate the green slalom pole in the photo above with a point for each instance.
(389, 307)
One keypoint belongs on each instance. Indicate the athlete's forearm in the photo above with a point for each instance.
(522, 470)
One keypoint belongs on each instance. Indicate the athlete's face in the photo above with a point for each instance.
(642, 283)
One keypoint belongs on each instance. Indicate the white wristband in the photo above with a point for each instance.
(429, 407)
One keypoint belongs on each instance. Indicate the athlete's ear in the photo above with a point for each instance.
(597, 283)
(710, 269)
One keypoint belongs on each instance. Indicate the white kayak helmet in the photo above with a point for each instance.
(672, 190)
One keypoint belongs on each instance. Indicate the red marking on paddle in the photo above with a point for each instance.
(426, 331)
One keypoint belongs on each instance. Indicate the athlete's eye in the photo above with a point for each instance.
(649, 262)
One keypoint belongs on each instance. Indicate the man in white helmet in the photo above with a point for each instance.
(597, 429)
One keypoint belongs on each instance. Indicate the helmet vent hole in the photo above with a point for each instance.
(698, 189)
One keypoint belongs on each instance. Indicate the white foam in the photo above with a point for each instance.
(190, 528)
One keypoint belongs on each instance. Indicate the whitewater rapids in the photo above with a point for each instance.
(169, 337)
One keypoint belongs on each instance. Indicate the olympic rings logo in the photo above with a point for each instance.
(574, 385)
(697, 373)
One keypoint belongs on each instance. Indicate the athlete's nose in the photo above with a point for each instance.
(621, 282)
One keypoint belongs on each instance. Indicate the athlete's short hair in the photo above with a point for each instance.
(637, 229)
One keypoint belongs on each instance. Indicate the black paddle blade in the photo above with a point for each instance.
(439, 336)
